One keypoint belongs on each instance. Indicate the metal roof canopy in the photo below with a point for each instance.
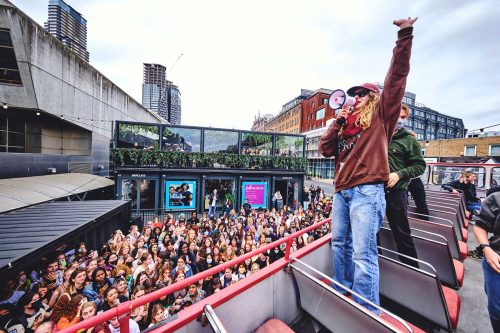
(35, 231)
(21, 192)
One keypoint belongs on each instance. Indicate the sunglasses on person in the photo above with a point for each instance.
(361, 93)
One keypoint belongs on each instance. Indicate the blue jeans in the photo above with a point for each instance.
(357, 216)
(492, 289)
(211, 211)
(471, 206)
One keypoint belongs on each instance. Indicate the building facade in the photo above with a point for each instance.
(58, 111)
(430, 124)
(174, 104)
(288, 120)
(260, 122)
(463, 149)
(154, 89)
(316, 111)
(68, 25)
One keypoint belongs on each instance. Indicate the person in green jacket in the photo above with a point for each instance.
(405, 162)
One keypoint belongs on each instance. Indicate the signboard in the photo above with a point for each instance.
(255, 192)
(180, 194)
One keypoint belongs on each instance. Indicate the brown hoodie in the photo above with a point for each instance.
(367, 162)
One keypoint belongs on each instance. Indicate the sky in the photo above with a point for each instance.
(240, 58)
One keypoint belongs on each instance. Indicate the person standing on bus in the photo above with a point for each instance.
(359, 141)
(405, 162)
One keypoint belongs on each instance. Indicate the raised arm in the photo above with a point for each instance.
(395, 80)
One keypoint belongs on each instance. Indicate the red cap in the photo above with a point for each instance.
(370, 86)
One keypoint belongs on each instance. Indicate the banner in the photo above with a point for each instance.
(180, 194)
(256, 193)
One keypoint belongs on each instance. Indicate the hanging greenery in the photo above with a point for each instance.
(166, 159)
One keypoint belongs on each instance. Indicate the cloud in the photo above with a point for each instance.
(242, 57)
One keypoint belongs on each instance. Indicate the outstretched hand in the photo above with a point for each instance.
(405, 23)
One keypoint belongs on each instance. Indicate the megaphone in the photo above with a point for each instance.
(339, 98)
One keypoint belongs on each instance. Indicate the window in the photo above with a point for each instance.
(12, 134)
(9, 72)
(470, 150)
(221, 141)
(138, 136)
(494, 150)
(495, 177)
(289, 145)
(181, 139)
(325, 101)
(320, 114)
(256, 144)
(445, 174)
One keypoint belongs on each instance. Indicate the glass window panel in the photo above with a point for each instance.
(320, 114)
(147, 193)
(442, 174)
(470, 150)
(8, 58)
(495, 177)
(3, 138)
(10, 76)
(495, 150)
(138, 136)
(3, 122)
(15, 149)
(16, 125)
(225, 193)
(16, 139)
(181, 139)
(3, 149)
(256, 144)
(287, 145)
(129, 191)
(221, 141)
(5, 38)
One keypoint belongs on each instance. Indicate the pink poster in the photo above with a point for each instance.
(255, 192)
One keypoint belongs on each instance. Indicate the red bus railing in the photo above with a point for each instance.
(123, 311)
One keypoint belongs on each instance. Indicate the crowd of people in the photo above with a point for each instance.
(72, 286)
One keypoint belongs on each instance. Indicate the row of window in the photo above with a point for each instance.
(493, 150)
(183, 139)
(9, 71)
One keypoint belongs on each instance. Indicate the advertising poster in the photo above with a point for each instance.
(180, 194)
(256, 193)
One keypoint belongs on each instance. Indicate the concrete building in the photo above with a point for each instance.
(154, 89)
(58, 111)
(69, 26)
(174, 104)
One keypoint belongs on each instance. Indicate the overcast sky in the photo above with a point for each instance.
(242, 57)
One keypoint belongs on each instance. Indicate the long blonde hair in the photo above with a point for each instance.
(364, 119)
(365, 116)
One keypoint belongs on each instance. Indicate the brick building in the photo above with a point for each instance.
(316, 111)
(463, 149)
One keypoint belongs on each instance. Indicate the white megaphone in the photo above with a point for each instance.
(339, 98)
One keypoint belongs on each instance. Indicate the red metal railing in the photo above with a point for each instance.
(122, 311)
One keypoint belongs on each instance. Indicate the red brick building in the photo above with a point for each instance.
(315, 110)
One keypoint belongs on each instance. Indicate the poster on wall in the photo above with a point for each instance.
(255, 192)
(180, 194)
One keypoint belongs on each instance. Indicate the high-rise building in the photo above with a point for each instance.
(67, 25)
(154, 89)
(174, 104)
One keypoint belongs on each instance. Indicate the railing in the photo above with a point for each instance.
(166, 159)
(123, 311)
